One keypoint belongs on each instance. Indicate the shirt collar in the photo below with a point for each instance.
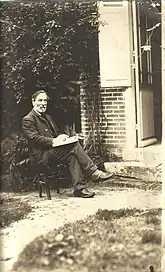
(39, 114)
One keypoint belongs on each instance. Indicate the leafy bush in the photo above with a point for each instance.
(108, 215)
(150, 236)
(94, 245)
(12, 210)
(50, 46)
(16, 175)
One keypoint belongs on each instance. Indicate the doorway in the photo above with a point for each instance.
(147, 36)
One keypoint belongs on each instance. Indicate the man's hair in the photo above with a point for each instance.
(34, 96)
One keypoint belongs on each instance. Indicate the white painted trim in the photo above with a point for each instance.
(121, 77)
(130, 116)
(163, 136)
(111, 3)
(136, 71)
(147, 142)
(130, 107)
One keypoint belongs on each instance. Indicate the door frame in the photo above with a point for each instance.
(136, 83)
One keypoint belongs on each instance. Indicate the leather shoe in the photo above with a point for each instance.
(99, 175)
(85, 193)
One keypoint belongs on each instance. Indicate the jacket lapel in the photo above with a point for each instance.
(51, 124)
(48, 120)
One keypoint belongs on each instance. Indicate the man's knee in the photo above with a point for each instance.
(75, 148)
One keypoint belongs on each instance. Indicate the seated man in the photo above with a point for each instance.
(44, 138)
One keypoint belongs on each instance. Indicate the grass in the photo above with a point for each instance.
(124, 240)
(12, 209)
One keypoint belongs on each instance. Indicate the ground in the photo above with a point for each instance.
(110, 240)
(48, 215)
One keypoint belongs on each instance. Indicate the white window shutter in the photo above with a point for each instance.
(114, 44)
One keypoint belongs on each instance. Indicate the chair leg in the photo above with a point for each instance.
(57, 186)
(42, 183)
(47, 189)
(58, 189)
(48, 193)
(40, 189)
(39, 184)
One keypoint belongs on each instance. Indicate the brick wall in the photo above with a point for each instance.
(112, 118)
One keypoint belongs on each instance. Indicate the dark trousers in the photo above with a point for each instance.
(80, 164)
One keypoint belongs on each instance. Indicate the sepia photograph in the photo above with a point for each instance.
(82, 136)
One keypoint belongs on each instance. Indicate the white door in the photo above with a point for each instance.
(143, 77)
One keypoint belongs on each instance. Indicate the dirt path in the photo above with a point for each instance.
(50, 214)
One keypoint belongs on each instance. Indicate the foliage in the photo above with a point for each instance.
(12, 209)
(151, 237)
(94, 143)
(96, 245)
(15, 166)
(50, 46)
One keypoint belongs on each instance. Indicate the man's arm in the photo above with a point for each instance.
(33, 136)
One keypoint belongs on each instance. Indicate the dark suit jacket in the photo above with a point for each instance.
(39, 131)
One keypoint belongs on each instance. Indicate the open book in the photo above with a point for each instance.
(69, 140)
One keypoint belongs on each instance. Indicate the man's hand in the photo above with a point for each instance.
(62, 137)
(59, 139)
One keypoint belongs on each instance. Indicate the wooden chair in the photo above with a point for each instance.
(39, 173)
(41, 176)
(43, 184)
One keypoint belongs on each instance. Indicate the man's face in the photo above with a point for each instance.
(40, 103)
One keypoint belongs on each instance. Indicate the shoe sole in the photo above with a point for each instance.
(108, 177)
(85, 196)
(103, 179)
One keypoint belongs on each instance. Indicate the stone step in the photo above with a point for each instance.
(135, 169)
